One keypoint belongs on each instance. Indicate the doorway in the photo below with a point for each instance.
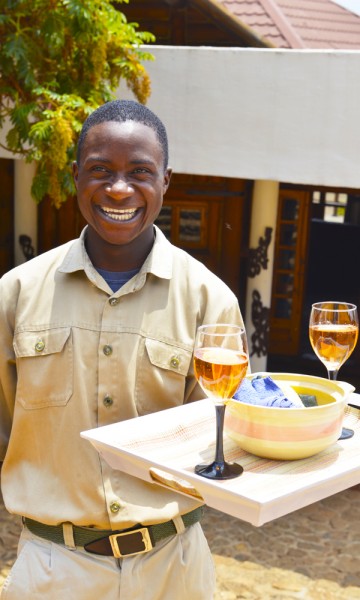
(6, 215)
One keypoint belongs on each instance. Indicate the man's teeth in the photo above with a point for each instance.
(119, 214)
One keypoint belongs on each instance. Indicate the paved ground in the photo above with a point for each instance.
(311, 554)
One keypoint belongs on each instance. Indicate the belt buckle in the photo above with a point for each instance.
(140, 542)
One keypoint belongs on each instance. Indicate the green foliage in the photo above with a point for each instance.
(59, 60)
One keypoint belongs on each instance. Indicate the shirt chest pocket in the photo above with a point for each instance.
(44, 367)
(161, 376)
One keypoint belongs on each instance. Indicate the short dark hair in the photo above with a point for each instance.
(121, 111)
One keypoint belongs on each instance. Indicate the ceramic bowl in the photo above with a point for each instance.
(290, 433)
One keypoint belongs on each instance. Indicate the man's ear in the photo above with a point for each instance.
(167, 177)
(75, 172)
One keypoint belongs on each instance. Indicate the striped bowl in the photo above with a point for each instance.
(290, 433)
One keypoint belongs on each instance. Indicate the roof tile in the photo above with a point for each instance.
(294, 24)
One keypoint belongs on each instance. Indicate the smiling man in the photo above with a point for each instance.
(120, 193)
(97, 331)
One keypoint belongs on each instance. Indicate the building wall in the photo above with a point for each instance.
(290, 116)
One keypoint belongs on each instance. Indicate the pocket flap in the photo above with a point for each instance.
(39, 343)
(168, 357)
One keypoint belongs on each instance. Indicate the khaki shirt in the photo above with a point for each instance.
(75, 356)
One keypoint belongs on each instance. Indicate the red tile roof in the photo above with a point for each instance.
(298, 23)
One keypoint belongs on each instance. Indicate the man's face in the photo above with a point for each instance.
(121, 181)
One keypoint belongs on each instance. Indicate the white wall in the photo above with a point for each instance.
(291, 116)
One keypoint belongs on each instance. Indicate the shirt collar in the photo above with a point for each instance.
(158, 262)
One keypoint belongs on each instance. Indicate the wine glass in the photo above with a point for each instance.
(220, 363)
(333, 332)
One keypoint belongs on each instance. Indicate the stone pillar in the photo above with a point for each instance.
(260, 270)
(25, 209)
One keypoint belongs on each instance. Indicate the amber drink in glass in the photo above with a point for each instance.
(333, 333)
(220, 364)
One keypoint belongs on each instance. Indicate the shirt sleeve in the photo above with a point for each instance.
(7, 367)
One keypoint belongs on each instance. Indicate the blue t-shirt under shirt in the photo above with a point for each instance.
(116, 279)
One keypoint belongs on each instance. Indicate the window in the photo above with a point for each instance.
(184, 225)
(330, 206)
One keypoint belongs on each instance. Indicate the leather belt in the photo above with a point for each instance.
(126, 542)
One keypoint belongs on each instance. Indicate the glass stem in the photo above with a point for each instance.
(220, 413)
(333, 375)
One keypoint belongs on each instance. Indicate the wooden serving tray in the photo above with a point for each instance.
(165, 446)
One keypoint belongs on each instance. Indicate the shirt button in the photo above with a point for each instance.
(174, 362)
(39, 346)
(115, 507)
(107, 350)
(108, 401)
(114, 301)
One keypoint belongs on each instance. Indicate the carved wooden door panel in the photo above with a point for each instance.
(288, 285)
(195, 227)
(208, 217)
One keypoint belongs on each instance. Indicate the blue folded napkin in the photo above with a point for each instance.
(263, 391)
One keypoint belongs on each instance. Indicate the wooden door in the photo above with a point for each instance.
(209, 218)
(58, 225)
(288, 287)
(6, 215)
(194, 226)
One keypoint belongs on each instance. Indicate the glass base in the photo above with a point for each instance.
(346, 433)
(217, 470)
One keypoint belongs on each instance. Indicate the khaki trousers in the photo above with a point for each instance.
(178, 568)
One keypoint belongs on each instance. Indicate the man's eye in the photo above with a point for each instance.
(99, 169)
(141, 170)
